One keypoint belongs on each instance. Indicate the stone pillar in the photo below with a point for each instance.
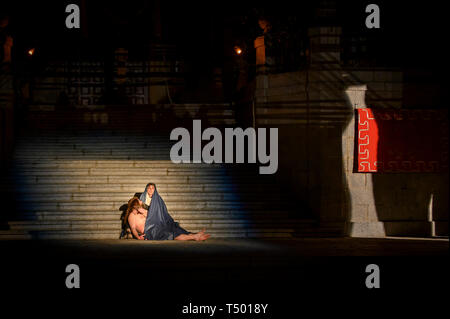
(325, 47)
(363, 220)
(260, 53)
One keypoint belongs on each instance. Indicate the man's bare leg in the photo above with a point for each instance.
(197, 236)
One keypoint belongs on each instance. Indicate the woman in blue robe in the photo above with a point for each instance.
(159, 225)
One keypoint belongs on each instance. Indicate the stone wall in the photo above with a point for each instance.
(6, 114)
(314, 111)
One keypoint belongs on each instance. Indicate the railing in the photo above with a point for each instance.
(139, 118)
(290, 52)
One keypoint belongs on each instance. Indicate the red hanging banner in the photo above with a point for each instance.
(395, 141)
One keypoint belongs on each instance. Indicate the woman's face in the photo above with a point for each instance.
(150, 190)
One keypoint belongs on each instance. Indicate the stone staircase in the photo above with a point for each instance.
(73, 185)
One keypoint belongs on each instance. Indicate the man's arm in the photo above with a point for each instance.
(136, 235)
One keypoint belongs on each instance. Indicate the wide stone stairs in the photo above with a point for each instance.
(73, 186)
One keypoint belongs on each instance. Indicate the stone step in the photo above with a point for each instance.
(230, 199)
(67, 140)
(95, 144)
(92, 145)
(110, 192)
(62, 141)
(44, 155)
(138, 188)
(142, 180)
(36, 200)
(70, 157)
(136, 171)
(228, 195)
(182, 215)
(131, 189)
(15, 235)
(110, 151)
(132, 155)
(117, 148)
(112, 164)
(117, 172)
(125, 196)
(126, 164)
(80, 235)
(83, 135)
(55, 124)
(194, 225)
(98, 144)
(171, 206)
(137, 139)
(183, 211)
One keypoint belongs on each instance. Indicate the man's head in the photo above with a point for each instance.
(135, 208)
(150, 189)
(133, 205)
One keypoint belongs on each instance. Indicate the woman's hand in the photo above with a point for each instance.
(141, 237)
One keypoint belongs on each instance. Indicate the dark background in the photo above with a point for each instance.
(412, 34)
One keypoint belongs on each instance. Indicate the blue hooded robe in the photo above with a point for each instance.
(159, 225)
